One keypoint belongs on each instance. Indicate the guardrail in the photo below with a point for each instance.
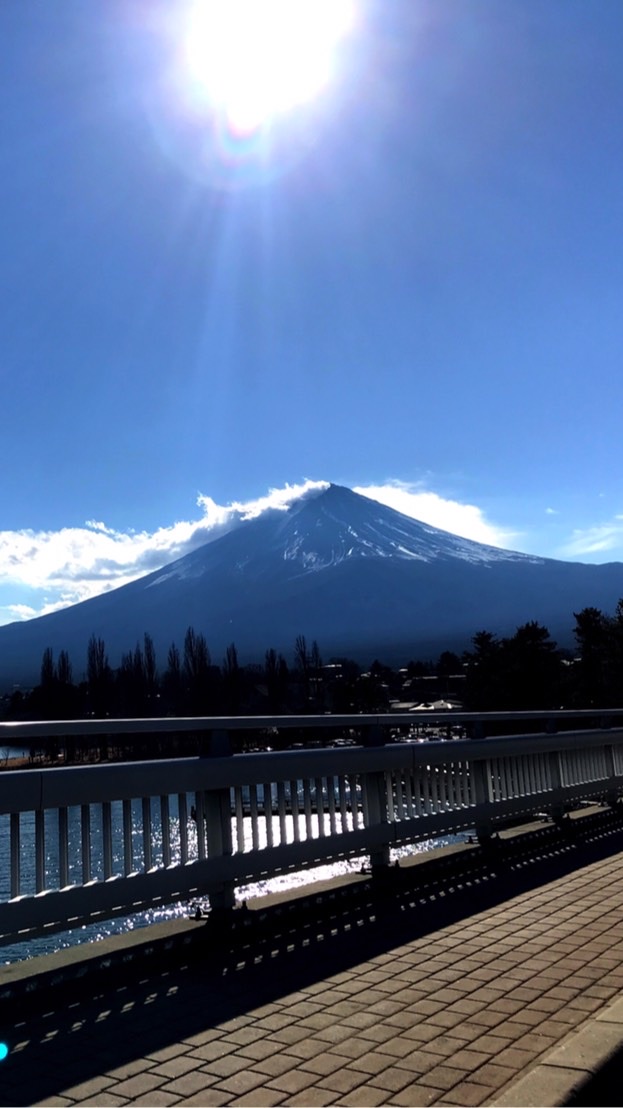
(80, 844)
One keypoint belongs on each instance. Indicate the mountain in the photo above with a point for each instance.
(363, 580)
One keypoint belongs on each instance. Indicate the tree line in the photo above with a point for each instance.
(522, 671)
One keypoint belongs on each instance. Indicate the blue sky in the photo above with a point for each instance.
(413, 288)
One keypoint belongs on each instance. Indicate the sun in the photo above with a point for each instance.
(257, 60)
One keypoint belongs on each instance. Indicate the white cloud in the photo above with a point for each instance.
(595, 540)
(59, 568)
(466, 520)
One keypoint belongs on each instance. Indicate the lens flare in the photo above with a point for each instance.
(256, 60)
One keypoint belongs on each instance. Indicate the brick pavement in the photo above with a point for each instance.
(496, 986)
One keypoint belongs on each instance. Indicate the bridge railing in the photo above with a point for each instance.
(80, 844)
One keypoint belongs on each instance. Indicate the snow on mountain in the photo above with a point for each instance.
(361, 578)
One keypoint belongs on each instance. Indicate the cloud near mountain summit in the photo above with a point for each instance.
(43, 571)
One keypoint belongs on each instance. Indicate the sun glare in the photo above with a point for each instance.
(259, 59)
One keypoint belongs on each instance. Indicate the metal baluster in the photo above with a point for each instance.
(128, 853)
(331, 805)
(400, 802)
(307, 806)
(463, 778)
(63, 849)
(389, 793)
(166, 830)
(281, 807)
(85, 842)
(504, 789)
(361, 812)
(16, 882)
(294, 805)
(201, 833)
(182, 808)
(39, 851)
(420, 781)
(521, 775)
(254, 821)
(107, 838)
(320, 806)
(147, 852)
(530, 774)
(434, 789)
(449, 783)
(239, 818)
(409, 795)
(268, 813)
(343, 803)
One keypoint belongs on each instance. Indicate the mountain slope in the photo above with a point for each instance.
(362, 579)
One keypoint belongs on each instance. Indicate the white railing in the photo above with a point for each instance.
(85, 843)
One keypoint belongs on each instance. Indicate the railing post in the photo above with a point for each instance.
(612, 791)
(555, 780)
(484, 799)
(375, 803)
(217, 811)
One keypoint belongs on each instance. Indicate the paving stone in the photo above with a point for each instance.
(324, 1064)
(392, 1080)
(242, 1082)
(291, 1034)
(56, 1102)
(313, 1098)
(468, 1059)
(493, 1075)
(203, 1037)
(537, 1041)
(210, 1098)
(176, 1067)
(138, 1065)
(396, 1048)
(89, 1089)
(218, 1048)
(467, 1095)
(367, 1097)
(168, 1052)
(446, 1019)
(359, 1019)
(306, 1048)
(140, 1085)
(246, 1035)
(105, 1099)
(225, 1067)
(292, 1082)
(261, 1098)
(416, 1096)
(446, 1076)
(158, 1099)
(277, 1064)
(190, 1084)
(336, 1033)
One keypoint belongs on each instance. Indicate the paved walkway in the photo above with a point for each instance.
(476, 980)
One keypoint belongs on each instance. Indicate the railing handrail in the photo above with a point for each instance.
(63, 786)
(27, 729)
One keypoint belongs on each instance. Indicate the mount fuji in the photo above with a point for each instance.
(362, 579)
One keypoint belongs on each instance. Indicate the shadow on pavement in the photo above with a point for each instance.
(603, 1088)
(111, 1019)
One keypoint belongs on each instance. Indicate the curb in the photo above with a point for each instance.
(562, 1074)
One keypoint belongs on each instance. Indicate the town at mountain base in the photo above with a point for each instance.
(359, 578)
